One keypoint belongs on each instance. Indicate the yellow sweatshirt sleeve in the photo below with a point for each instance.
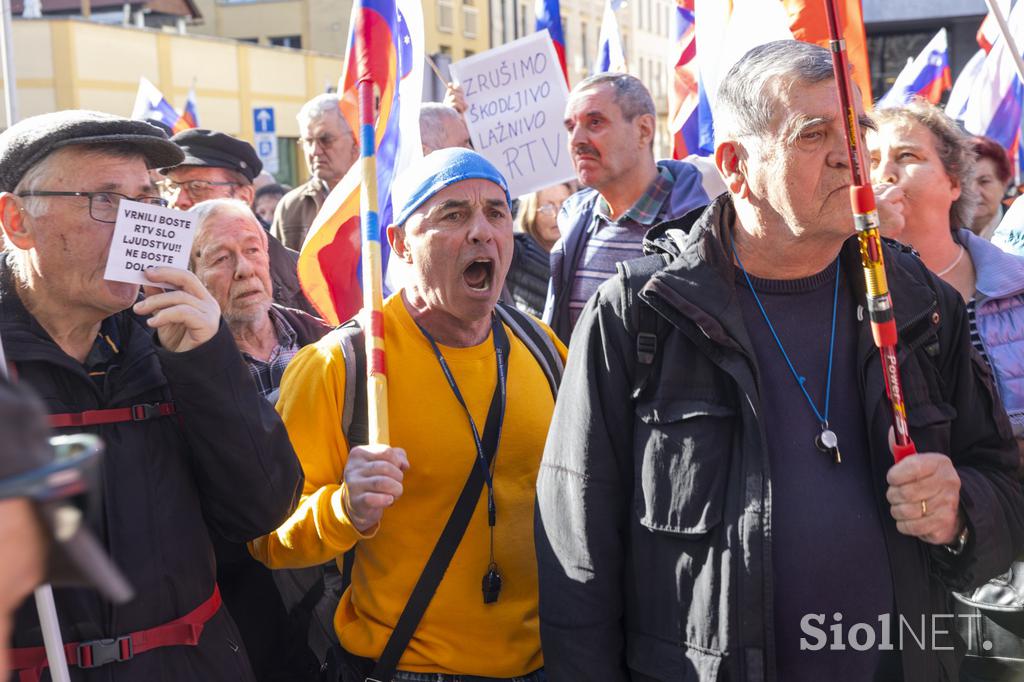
(311, 403)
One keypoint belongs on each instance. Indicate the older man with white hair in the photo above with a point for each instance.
(441, 127)
(229, 255)
(330, 149)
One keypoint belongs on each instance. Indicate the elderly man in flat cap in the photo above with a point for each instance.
(219, 166)
(491, 373)
(191, 446)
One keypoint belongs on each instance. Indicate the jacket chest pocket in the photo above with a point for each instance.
(929, 415)
(682, 452)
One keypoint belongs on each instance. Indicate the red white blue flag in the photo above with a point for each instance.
(549, 17)
(927, 76)
(390, 53)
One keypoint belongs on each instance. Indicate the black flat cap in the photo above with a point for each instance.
(217, 150)
(28, 142)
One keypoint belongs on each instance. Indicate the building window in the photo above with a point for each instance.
(445, 16)
(469, 21)
(445, 50)
(470, 53)
(888, 54)
(286, 41)
(524, 20)
(254, 41)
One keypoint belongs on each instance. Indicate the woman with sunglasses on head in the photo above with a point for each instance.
(526, 285)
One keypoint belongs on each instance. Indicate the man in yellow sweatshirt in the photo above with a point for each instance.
(457, 376)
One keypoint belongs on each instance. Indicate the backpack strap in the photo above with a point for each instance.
(135, 413)
(354, 414)
(645, 320)
(540, 345)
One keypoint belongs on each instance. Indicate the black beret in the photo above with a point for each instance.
(28, 142)
(217, 150)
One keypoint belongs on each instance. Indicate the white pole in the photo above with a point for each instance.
(7, 59)
(46, 607)
(1004, 30)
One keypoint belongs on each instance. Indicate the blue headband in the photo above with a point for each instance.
(435, 171)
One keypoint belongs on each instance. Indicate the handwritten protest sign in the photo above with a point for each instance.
(515, 98)
(146, 236)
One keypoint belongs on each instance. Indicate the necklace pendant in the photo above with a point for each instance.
(827, 442)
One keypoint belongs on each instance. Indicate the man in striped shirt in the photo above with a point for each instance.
(611, 122)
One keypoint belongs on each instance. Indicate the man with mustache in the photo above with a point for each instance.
(718, 499)
(611, 122)
(466, 384)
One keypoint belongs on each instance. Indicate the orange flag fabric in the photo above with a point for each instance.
(807, 21)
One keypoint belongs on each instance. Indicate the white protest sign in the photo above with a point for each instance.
(146, 236)
(515, 98)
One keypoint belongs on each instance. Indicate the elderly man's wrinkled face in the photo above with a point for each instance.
(330, 148)
(459, 244)
(69, 247)
(230, 258)
(801, 171)
(605, 147)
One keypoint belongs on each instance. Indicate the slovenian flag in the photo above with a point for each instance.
(994, 104)
(329, 263)
(549, 17)
(610, 54)
(190, 115)
(151, 105)
(927, 76)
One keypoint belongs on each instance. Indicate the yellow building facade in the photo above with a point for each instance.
(458, 28)
(71, 64)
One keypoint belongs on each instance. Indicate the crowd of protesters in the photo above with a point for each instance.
(637, 422)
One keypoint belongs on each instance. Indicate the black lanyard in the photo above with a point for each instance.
(487, 446)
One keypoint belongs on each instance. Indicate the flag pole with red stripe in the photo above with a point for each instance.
(373, 295)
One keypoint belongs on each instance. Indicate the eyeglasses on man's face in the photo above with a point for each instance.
(199, 190)
(102, 205)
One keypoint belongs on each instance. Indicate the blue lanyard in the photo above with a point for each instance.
(485, 452)
(800, 380)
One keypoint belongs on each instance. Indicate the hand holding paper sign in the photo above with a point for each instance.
(184, 318)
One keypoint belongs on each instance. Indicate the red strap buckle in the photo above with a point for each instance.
(146, 411)
(99, 652)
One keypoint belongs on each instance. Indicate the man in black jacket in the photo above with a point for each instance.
(191, 446)
(718, 500)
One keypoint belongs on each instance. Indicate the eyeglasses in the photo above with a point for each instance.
(325, 142)
(197, 189)
(102, 205)
(548, 209)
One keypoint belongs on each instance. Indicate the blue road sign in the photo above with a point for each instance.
(263, 119)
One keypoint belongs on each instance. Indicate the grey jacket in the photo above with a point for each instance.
(655, 507)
